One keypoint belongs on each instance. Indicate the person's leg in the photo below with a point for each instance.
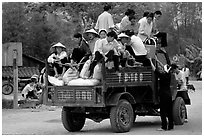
(97, 58)
(30, 94)
(163, 117)
(123, 62)
(110, 55)
(143, 59)
(116, 62)
(130, 50)
(187, 79)
(186, 116)
(170, 114)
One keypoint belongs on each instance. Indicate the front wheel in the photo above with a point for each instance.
(179, 111)
(72, 121)
(122, 116)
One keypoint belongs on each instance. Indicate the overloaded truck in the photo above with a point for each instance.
(120, 97)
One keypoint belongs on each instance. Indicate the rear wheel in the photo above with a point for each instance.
(179, 111)
(7, 88)
(72, 121)
(122, 116)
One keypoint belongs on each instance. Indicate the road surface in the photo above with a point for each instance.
(47, 121)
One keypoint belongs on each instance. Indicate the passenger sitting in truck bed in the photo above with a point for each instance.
(137, 49)
(107, 48)
(82, 51)
(124, 55)
(57, 58)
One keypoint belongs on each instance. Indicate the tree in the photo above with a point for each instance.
(13, 22)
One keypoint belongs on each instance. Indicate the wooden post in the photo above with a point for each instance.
(15, 79)
(45, 88)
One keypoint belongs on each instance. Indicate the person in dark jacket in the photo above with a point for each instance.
(81, 53)
(165, 96)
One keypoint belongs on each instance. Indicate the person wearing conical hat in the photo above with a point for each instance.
(102, 34)
(59, 56)
(93, 37)
(124, 55)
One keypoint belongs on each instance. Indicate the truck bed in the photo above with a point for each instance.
(94, 96)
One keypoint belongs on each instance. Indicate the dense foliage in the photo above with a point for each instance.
(37, 25)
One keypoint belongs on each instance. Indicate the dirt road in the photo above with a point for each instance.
(47, 121)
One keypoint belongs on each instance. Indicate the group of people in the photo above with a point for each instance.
(116, 45)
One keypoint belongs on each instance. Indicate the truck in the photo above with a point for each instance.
(120, 97)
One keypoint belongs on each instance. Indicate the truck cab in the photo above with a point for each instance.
(120, 97)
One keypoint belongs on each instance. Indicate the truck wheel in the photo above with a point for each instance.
(71, 121)
(122, 116)
(7, 88)
(179, 111)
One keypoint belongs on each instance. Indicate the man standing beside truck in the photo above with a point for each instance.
(164, 75)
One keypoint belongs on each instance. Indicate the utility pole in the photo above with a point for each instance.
(15, 79)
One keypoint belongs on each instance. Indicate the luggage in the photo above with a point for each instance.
(71, 73)
(97, 72)
(55, 81)
(85, 70)
(83, 82)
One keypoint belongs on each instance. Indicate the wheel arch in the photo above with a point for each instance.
(113, 99)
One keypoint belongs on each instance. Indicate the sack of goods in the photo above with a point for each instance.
(97, 75)
(83, 82)
(70, 74)
(55, 81)
(85, 70)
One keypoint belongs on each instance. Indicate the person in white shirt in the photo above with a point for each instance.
(105, 20)
(137, 49)
(125, 20)
(107, 48)
(133, 26)
(58, 57)
(29, 91)
(102, 34)
(180, 77)
(144, 17)
(187, 73)
(145, 27)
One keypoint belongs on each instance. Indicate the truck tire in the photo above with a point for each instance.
(122, 116)
(71, 121)
(179, 111)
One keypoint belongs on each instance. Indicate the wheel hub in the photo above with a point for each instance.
(124, 116)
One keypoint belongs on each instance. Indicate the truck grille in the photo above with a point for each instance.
(71, 95)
